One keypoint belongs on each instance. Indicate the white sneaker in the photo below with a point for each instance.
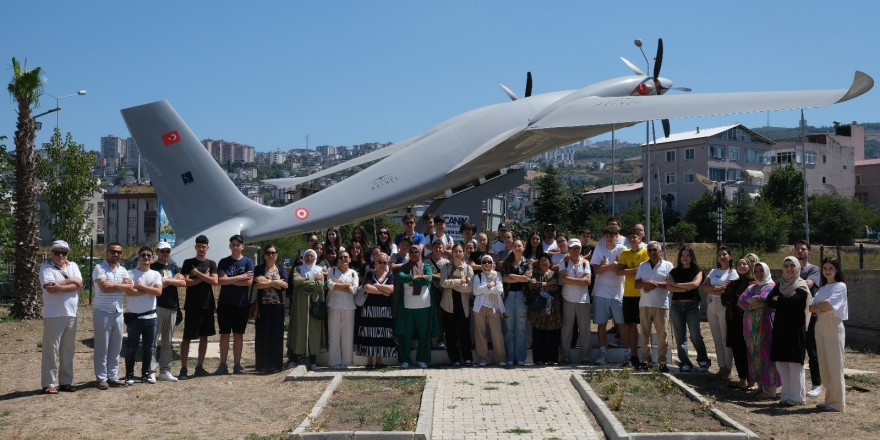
(150, 378)
(129, 381)
(167, 377)
(404, 365)
(422, 365)
(601, 359)
(815, 391)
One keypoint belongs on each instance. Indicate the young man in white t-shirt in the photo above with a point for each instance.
(439, 234)
(574, 273)
(141, 317)
(654, 305)
(60, 280)
(607, 287)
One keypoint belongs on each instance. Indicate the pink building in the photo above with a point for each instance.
(868, 181)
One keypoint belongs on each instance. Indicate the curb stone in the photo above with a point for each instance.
(422, 432)
(615, 431)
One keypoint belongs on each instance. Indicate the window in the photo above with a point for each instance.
(811, 157)
(111, 221)
(132, 205)
(753, 155)
(733, 153)
(132, 222)
(716, 152)
(689, 154)
(823, 179)
(113, 206)
(734, 174)
(824, 159)
(670, 178)
(670, 156)
(717, 174)
(858, 179)
(689, 176)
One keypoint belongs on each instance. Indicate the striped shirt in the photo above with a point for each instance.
(110, 302)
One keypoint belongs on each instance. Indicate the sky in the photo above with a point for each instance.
(271, 73)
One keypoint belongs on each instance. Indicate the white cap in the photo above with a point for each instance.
(574, 242)
(60, 244)
(163, 245)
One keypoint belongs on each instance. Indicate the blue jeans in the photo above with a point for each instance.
(515, 328)
(145, 328)
(683, 313)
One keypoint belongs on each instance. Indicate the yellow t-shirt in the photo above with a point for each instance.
(631, 260)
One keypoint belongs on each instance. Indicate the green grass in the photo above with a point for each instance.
(518, 431)
(490, 388)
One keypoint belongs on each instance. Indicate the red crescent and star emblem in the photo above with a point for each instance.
(171, 137)
(301, 213)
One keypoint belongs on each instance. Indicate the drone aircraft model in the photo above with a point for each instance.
(452, 157)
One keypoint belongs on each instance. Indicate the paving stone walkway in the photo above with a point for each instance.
(497, 403)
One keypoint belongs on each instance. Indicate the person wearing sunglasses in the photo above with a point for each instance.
(416, 311)
(60, 281)
(270, 279)
(409, 231)
(141, 317)
(167, 305)
(112, 281)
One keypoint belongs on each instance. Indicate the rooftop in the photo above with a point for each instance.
(706, 132)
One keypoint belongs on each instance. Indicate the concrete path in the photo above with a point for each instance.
(497, 403)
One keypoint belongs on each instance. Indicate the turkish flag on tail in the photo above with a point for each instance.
(170, 138)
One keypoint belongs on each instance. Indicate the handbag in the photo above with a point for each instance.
(318, 309)
(539, 302)
(360, 298)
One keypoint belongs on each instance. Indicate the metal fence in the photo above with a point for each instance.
(7, 281)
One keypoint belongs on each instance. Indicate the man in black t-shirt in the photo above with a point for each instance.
(166, 309)
(201, 276)
(236, 274)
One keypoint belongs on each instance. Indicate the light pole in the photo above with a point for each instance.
(647, 180)
(59, 98)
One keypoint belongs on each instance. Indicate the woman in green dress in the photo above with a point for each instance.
(306, 333)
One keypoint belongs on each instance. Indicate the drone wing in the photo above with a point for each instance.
(633, 109)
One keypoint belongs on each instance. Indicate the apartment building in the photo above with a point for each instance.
(131, 215)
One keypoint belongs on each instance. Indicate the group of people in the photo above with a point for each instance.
(378, 300)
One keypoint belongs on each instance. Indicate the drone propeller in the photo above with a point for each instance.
(528, 84)
(512, 95)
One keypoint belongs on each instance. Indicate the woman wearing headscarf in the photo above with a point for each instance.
(734, 317)
(789, 298)
(306, 333)
(831, 304)
(488, 310)
(270, 281)
(758, 330)
(375, 329)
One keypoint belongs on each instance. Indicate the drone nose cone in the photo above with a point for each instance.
(665, 83)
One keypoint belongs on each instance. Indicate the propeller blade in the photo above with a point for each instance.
(632, 67)
(509, 92)
(682, 89)
(666, 128)
(528, 84)
(659, 60)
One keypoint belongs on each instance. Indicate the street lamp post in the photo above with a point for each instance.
(59, 98)
(647, 180)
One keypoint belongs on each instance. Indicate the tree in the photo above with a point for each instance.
(6, 229)
(552, 205)
(702, 212)
(837, 220)
(682, 232)
(754, 223)
(68, 180)
(784, 192)
(25, 88)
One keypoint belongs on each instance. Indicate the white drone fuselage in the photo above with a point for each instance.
(199, 198)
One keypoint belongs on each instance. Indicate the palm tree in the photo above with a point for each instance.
(25, 88)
